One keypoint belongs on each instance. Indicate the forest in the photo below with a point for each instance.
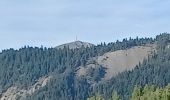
(147, 93)
(147, 81)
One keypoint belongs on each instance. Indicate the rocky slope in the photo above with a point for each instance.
(15, 93)
(119, 61)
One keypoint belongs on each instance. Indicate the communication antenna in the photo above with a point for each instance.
(76, 38)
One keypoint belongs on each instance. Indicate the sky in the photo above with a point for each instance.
(54, 22)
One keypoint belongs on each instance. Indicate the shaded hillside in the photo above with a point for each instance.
(148, 92)
(154, 71)
(15, 93)
(22, 68)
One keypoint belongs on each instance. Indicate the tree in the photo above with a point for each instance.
(97, 97)
(136, 93)
(115, 96)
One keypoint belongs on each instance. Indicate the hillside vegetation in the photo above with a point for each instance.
(28, 67)
(147, 93)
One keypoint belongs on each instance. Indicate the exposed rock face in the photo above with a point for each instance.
(15, 93)
(74, 45)
(119, 61)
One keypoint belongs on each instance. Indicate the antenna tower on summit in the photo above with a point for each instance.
(76, 38)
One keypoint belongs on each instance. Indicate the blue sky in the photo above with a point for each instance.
(53, 22)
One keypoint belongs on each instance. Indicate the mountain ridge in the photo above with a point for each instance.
(74, 45)
(26, 69)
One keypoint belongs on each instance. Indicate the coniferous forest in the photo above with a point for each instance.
(147, 81)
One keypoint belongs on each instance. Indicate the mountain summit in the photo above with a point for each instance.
(118, 70)
(75, 44)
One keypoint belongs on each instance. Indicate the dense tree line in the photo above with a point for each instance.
(151, 93)
(147, 93)
(153, 71)
(114, 96)
(23, 67)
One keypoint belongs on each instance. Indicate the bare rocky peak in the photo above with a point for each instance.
(75, 44)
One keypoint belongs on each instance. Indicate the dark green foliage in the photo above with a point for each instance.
(22, 68)
(152, 93)
(154, 71)
(96, 74)
(114, 96)
(146, 93)
(97, 97)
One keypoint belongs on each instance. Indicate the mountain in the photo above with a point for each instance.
(119, 61)
(75, 44)
(106, 71)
